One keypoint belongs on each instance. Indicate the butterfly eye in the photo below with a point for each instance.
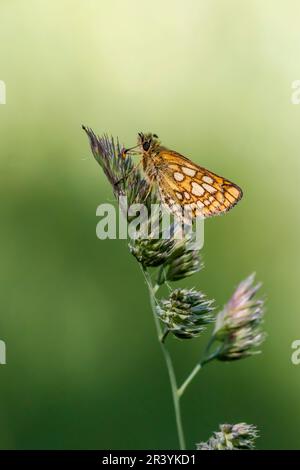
(155, 136)
(146, 146)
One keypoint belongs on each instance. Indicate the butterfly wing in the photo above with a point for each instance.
(183, 185)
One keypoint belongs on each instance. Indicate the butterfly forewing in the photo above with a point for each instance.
(185, 186)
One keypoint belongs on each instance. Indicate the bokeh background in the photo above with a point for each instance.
(213, 79)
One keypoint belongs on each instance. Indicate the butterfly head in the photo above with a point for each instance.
(148, 142)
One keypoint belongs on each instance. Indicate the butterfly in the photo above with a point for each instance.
(185, 189)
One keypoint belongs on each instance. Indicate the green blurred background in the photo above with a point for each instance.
(213, 79)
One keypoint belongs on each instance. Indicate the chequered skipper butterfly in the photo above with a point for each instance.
(184, 186)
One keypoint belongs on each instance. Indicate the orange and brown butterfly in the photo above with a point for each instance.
(183, 186)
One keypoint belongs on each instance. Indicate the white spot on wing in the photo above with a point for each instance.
(209, 188)
(197, 189)
(179, 195)
(188, 171)
(187, 195)
(178, 176)
(207, 179)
